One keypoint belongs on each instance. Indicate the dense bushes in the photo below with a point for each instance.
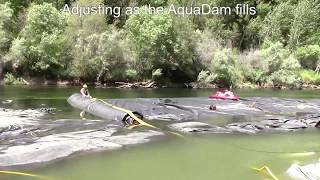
(309, 56)
(10, 79)
(162, 42)
(271, 48)
(309, 77)
(6, 22)
(273, 65)
(40, 50)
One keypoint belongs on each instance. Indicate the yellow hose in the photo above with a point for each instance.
(24, 174)
(131, 114)
(268, 172)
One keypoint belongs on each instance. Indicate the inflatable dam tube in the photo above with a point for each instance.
(98, 108)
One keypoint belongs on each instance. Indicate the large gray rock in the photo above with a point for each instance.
(57, 146)
(26, 138)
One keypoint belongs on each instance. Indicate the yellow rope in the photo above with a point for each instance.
(24, 174)
(269, 172)
(131, 114)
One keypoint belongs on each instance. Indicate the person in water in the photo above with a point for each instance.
(85, 93)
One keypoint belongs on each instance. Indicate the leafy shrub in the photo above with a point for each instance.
(284, 78)
(6, 21)
(309, 56)
(40, 48)
(10, 79)
(131, 74)
(206, 47)
(277, 58)
(309, 77)
(252, 66)
(156, 75)
(102, 56)
(305, 24)
(281, 65)
(206, 77)
(223, 66)
(162, 42)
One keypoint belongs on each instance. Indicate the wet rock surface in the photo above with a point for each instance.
(305, 172)
(264, 114)
(28, 138)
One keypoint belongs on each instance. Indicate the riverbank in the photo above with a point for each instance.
(149, 84)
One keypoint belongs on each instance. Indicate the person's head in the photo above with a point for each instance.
(85, 86)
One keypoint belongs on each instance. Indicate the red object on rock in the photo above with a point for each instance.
(225, 95)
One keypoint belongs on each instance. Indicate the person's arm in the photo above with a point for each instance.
(82, 92)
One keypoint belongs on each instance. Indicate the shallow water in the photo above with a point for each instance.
(193, 157)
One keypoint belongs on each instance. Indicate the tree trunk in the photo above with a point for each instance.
(1, 69)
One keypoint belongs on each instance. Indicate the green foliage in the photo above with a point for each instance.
(56, 3)
(10, 79)
(309, 56)
(277, 23)
(278, 58)
(6, 14)
(294, 23)
(102, 56)
(224, 68)
(131, 74)
(305, 24)
(157, 74)
(273, 65)
(309, 77)
(253, 67)
(153, 37)
(158, 45)
(226, 50)
(206, 77)
(40, 47)
(284, 78)
(206, 47)
(281, 65)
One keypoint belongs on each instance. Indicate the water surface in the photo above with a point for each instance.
(193, 157)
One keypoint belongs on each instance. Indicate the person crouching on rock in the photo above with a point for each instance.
(85, 93)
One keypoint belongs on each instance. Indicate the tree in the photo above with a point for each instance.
(294, 23)
(162, 42)
(6, 22)
(6, 36)
(40, 46)
(305, 24)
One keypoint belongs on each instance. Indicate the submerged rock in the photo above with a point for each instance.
(197, 127)
(27, 138)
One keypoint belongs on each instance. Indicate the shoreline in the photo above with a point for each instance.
(152, 85)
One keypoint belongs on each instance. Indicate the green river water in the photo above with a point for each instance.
(215, 157)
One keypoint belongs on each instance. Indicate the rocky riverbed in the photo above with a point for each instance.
(26, 137)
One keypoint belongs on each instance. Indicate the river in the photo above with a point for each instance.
(223, 156)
